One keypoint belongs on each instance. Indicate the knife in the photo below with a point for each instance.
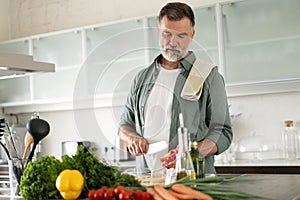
(156, 147)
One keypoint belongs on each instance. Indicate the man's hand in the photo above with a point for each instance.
(169, 160)
(135, 143)
(169, 165)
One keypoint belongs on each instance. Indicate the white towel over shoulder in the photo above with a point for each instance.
(192, 88)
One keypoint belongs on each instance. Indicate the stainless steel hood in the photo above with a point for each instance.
(12, 65)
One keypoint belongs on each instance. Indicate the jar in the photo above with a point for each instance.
(290, 141)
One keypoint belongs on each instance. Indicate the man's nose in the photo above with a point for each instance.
(173, 41)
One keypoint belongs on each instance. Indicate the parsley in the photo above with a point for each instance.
(38, 180)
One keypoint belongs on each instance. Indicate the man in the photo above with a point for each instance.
(167, 87)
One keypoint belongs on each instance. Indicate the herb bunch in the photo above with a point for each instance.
(39, 177)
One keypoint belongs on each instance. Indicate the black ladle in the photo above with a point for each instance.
(38, 128)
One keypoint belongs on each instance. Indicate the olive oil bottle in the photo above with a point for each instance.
(198, 160)
(184, 165)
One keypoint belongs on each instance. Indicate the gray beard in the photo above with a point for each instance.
(172, 57)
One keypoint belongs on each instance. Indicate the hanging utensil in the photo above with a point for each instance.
(28, 140)
(38, 128)
(2, 130)
(8, 138)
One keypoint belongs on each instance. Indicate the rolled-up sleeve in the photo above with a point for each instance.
(218, 118)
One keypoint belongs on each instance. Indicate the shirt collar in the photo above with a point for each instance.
(185, 64)
(188, 61)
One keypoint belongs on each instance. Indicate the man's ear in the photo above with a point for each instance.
(193, 33)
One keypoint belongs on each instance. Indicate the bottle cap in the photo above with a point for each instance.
(288, 123)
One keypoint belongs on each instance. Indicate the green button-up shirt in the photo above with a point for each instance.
(207, 118)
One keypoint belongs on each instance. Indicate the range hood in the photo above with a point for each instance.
(13, 65)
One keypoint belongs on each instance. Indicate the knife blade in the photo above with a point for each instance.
(157, 147)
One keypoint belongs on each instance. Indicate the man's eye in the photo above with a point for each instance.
(166, 34)
(182, 36)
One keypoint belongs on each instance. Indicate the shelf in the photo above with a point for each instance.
(267, 87)
(272, 40)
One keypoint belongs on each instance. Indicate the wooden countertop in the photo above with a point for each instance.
(271, 186)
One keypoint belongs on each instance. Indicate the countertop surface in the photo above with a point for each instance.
(273, 187)
(265, 162)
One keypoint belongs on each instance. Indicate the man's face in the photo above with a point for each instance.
(174, 38)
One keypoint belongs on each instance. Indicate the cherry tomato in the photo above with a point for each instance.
(104, 188)
(109, 194)
(130, 192)
(99, 194)
(147, 196)
(91, 194)
(124, 195)
(137, 195)
(118, 190)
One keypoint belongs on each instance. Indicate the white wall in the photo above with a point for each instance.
(265, 114)
(4, 20)
(31, 17)
(261, 113)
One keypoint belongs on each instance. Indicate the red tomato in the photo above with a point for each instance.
(137, 195)
(118, 190)
(104, 188)
(130, 192)
(109, 194)
(91, 194)
(124, 195)
(99, 194)
(147, 196)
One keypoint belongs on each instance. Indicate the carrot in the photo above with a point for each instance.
(164, 193)
(182, 189)
(181, 196)
(155, 195)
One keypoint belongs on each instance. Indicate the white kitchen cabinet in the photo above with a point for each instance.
(15, 91)
(62, 48)
(152, 38)
(252, 41)
(57, 86)
(205, 42)
(98, 36)
(114, 53)
(262, 40)
(15, 46)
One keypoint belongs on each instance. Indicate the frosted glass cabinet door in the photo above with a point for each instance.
(63, 49)
(262, 40)
(15, 90)
(118, 76)
(205, 43)
(152, 40)
(16, 47)
(59, 84)
(99, 37)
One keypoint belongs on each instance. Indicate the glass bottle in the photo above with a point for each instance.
(184, 165)
(198, 160)
(290, 141)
